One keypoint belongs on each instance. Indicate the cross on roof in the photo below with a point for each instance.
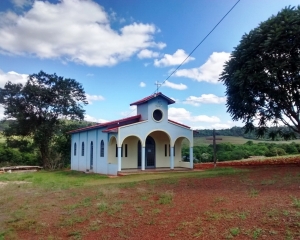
(158, 84)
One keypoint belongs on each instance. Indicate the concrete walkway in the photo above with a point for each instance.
(153, 170)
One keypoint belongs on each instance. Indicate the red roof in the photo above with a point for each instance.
(146, 99)
(100, 125)
(178, 123)
(115, 129)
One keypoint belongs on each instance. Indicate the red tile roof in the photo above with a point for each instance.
(100, 125)
(146, 99)
(115, 129)
(178, 123)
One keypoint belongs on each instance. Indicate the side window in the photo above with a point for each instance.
(102, 149)
(82, 149)
(174, 150)
(166, 150)
(75, 149)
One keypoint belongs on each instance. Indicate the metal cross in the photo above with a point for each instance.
(158, 84)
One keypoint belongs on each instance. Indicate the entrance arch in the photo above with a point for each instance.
(150, 154)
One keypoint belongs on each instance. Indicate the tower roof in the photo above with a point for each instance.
(146, 99)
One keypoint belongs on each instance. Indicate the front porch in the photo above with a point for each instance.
(132, 171)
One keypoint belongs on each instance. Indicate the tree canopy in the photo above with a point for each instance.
(39, 104)
(262, 77)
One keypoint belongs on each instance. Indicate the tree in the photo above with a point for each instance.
(262, 77)
(39, 105)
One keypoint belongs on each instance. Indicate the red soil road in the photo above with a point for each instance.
(257, 203)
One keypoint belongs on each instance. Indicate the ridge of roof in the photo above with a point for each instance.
(146, 99)
(99, 125)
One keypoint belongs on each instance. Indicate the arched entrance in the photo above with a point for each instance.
(149, 153)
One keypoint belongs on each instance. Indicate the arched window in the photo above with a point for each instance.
(102, 149)
(75, 149)
(82, 149)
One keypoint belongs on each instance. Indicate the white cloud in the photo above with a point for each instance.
(209, 71)
(179, 86)
(131, 112)
(1, 112)
(21, 3)
(145, 53)
(204, 98)
(142, 84)
(183, 116)
(92, 98)
(12, 77)
(72, 30)
(93, 119)
(90, 75)
(171, 60)
(160, 45)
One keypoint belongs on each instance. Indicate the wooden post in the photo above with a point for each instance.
(214, 146)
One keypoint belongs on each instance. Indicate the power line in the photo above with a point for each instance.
(198, 45)
(159, 85)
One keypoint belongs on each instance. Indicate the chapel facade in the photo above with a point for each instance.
(147, 140)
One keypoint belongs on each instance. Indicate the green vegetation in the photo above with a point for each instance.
(74, 179)
(263, 68)
(166, 198)
(37, 107)
(228, 151)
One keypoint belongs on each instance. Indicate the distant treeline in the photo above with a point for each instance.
(234, 131)
(22, 151)
(228, 151)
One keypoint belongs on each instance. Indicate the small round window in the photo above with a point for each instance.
(157, 115)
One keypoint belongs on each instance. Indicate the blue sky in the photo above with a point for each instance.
(118, 49)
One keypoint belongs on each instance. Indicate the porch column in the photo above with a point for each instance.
(143, 158)
(172, 158)
(119, 158)
(191, 158)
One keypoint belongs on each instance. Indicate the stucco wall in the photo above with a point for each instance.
(82, 163)
(112, 151)
(161, 139)
(132, 153)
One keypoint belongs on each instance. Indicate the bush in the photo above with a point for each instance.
(12, 157)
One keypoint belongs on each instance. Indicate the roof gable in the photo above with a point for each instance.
(109, 125)
(146, 99)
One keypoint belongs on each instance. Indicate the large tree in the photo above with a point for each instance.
(39, 104)
(262, 77)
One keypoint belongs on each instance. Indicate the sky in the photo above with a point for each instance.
(119, 49)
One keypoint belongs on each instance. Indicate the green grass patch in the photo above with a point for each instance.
(253, 192)
(234, 231)
(55, 179)
(296, 202)
(166, 197)
(74, 179)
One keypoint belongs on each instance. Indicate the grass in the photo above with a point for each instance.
(74, 179)
(253, 192)
(166, 197)
(256, 233)
(85, 204)
(296, 202)
(243, 215)
(234, 231)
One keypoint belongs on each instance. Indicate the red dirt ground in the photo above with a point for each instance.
(260, 203)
